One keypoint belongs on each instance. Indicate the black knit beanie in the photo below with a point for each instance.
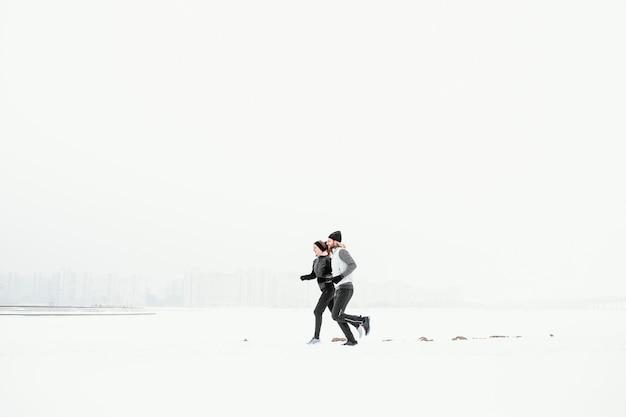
(335, 236)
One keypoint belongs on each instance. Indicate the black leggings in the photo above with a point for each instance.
(325, 300)
(343, 295)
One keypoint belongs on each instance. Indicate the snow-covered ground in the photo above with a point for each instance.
(242, 361)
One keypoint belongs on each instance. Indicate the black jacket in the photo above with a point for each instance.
(322, 270)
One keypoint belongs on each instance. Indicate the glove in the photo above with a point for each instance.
(338, 278)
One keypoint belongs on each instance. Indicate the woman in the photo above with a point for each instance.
(343, 265)
(323, 272)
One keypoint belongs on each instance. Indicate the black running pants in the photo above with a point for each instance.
(343, 294)
(325, 300)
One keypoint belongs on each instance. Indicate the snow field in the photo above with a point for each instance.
(236, 361)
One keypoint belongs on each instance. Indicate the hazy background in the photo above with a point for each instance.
(469, 145)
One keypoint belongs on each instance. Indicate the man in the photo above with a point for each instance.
(343, 267)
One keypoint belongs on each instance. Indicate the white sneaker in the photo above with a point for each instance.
(360, 329)
(313, 341)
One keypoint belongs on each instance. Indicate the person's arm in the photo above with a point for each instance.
(327, 270)
(311, 275)
(307, 277)
(345, 256)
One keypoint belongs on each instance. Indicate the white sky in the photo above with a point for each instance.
(461, 144)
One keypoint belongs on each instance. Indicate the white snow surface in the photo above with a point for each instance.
(243, 361)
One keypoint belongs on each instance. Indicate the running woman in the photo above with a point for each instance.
(323, 272)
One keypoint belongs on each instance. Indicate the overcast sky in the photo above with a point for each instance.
(476, 145)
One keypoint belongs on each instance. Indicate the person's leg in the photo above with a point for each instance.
(353, 320)
(356, 321)
(330, 308)
(331, 303)
(342, 298)
(325, 298)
